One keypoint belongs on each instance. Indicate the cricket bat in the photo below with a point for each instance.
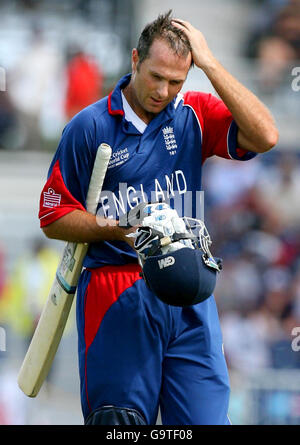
(53, 319)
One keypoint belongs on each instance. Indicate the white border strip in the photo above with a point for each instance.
(46, 215)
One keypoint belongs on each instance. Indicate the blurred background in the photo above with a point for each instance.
(56, 57)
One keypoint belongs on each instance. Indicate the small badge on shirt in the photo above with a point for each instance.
(170, 141)
(51, 199)
(118, 157)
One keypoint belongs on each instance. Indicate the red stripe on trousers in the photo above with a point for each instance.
(106, 285)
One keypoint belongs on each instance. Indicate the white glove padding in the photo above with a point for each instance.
(160, 228)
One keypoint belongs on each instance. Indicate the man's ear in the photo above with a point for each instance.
(134, 60)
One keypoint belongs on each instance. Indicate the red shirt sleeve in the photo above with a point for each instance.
(56, 200)
(219, 130)
(70, 170)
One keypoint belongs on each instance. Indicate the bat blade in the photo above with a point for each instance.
(48, 333)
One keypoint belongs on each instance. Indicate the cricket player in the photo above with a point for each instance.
(138, 353)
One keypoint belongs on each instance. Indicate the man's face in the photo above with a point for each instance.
(158, 79)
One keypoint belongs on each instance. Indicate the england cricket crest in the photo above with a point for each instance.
(170, 141)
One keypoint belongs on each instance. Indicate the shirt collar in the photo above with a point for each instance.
(115, 105)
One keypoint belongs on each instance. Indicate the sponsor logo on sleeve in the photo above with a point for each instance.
(51, 199)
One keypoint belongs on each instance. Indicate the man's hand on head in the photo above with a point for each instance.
(202, 55)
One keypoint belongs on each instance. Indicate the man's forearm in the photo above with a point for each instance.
(257, 130)
(83, 227)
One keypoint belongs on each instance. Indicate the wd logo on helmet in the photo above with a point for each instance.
(166, 262)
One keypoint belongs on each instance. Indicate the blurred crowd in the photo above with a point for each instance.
(26, 287)
(58, 57)
(254, 218)
(42, 85)
(274, 42)
(44, 90)
(252, 209)
(23, 293)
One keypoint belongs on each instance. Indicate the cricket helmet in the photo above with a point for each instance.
(175, 256)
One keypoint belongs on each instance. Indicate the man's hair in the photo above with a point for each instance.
(162, 29)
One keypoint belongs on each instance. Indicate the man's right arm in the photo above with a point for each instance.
(83, 227)
(62, 212)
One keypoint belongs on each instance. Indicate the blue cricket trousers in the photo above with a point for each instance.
(137, 352)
